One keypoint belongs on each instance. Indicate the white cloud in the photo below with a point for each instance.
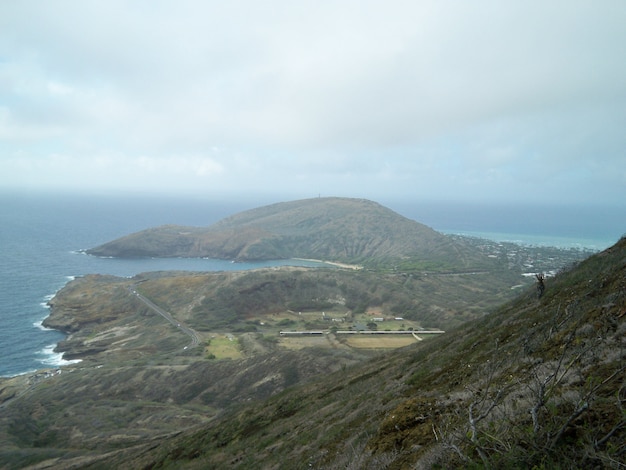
(433, 98)
(56, 88)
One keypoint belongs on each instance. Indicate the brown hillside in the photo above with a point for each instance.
(537, 384)
(337, 229)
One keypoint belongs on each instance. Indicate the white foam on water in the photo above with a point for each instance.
(54, 358)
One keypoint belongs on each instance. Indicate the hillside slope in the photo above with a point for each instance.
(337, 229)
(538, 383)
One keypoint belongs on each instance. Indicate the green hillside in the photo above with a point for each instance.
(535, 384)
(332, 367)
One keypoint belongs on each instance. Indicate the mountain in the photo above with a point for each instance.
(536, 383)
(539, 383)
(336, 229)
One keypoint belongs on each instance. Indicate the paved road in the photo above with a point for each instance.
(195, 339)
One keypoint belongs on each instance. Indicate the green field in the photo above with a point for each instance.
(223, 346)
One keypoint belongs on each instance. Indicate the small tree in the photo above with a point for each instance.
(541, 287)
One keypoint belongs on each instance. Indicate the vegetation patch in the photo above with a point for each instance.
(301, 342)
(223, 347)
(379, 341)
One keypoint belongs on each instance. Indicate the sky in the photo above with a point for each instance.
(445, 100)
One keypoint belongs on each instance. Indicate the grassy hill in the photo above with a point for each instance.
(537, 383)
(189, 369)
(336, 229)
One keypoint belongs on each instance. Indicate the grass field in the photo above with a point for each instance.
(351, 341)
(379, 342)
(304, 342)
(224, 347)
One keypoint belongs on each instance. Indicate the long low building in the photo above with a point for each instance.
(361, 332)
(302, 333)
(394, 332)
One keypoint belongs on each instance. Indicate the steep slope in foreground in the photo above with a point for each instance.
(538, 383)
(337, 229)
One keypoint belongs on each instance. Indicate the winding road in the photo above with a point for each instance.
(195, 339)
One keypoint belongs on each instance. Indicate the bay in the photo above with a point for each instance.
(41, 238)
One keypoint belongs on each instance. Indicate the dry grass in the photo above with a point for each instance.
(379, 342)
(295, 343)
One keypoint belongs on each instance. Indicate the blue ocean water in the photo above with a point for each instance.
(40, 241)
(41, 236)
(571, 226)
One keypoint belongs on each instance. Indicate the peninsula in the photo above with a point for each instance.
(344, 230)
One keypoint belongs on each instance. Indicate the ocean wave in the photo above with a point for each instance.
(54, 358)
(46, 301)
(39, 325)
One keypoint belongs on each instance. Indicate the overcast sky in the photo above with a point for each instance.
(519, 101)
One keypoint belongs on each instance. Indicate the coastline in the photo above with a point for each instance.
(556, 241)
(59, 327)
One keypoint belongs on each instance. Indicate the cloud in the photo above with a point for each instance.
(114, 172)
(425, 99)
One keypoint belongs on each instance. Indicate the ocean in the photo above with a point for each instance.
(42, 235)
(563, 226)
(41, 238)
